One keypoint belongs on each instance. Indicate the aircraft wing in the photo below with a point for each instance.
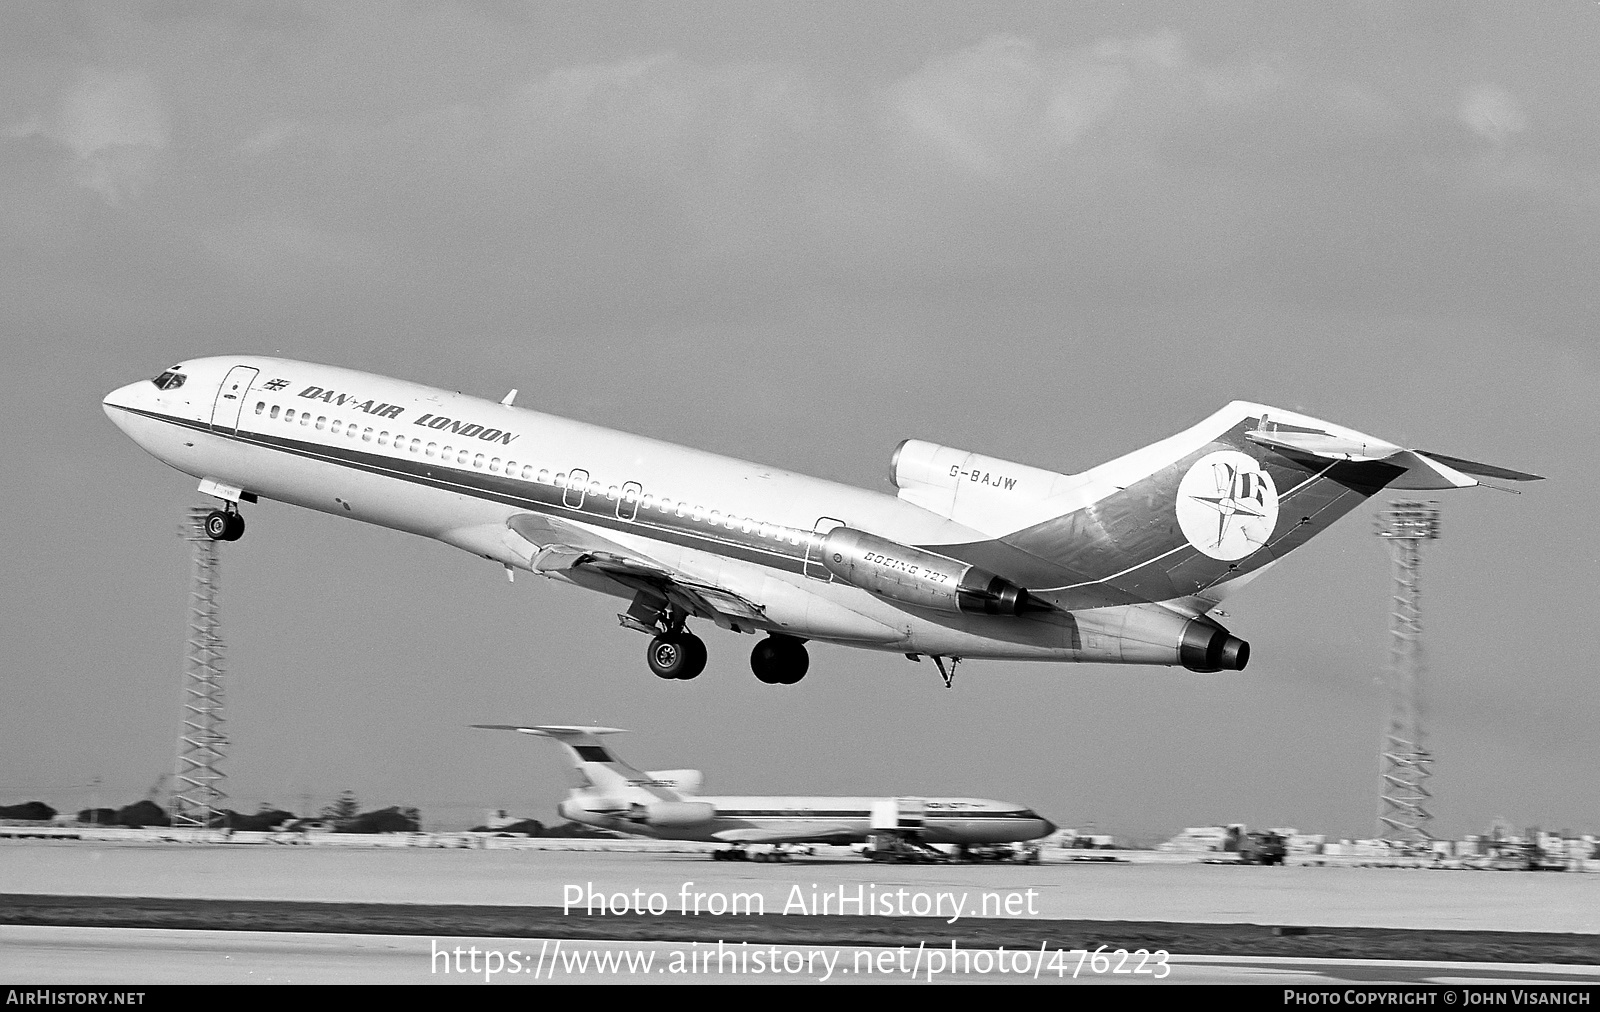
(791, 832)
(564, 547)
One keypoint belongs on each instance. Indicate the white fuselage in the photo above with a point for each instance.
(457, 468)
(968, 821)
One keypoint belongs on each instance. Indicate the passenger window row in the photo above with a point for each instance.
(411, 444)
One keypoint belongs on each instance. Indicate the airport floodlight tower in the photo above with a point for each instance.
(197, 793)
(1406, 762)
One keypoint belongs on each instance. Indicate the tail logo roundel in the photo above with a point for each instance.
(1227, 505)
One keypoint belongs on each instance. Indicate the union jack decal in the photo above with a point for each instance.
(277, 384)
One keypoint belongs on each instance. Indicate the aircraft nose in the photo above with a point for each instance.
(123, 397)
(1049, 827)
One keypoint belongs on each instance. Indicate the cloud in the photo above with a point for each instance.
(1492, 113)
(1007, 102)
(114, 124)
(681, 173)
(986, 105)
(660, 115)
(1508, 165)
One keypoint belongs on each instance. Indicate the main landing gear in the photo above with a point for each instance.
(780, 660)
(738, 852)
(674, 652)
(224, 525)
(948, 674)
(679, 654)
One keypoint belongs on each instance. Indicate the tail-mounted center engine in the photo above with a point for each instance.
(919, 577)
(1209, 647)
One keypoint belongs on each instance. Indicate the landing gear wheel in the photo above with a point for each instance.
(223, 525)
(218, 526)
(676, 655)
(695, 647)
(779, 660)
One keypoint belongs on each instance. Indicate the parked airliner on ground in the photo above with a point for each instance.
(667, 804)
(975, 557)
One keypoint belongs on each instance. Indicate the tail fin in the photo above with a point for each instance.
(594, 762)
(1190, 517)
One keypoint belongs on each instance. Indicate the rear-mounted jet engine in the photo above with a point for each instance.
(919, 577)
(1209, 647)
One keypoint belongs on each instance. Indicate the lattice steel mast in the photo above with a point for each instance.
(197, 793)
(1406, 762)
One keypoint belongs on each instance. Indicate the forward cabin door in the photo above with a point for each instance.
(230, 398)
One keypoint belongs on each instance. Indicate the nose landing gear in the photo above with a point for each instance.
(224, 525)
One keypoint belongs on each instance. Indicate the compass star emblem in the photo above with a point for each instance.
(1239, 494)
(1227, 505)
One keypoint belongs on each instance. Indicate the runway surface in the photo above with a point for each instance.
(123, 956)
(1399, 898)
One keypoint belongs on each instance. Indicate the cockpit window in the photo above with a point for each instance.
(169, 380)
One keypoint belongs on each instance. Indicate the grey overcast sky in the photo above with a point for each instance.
(798, 234)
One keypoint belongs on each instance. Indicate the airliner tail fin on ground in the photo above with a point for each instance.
(594, 762)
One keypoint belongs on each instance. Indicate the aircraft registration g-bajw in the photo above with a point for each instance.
(667, 804)
(974, 557)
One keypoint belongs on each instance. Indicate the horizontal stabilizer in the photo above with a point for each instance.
(552, 730)
(595, 763)
(1423, 470)
(1324, 444)
(1481, 470)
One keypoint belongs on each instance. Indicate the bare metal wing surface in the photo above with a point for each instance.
(564, 546)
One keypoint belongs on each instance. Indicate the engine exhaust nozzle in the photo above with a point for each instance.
(1206, 647)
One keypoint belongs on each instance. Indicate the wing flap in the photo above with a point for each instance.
(562, 547)
(724, 601)
(558, 558)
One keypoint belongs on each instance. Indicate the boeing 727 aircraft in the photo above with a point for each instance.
(668, 805)
(975, 557)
